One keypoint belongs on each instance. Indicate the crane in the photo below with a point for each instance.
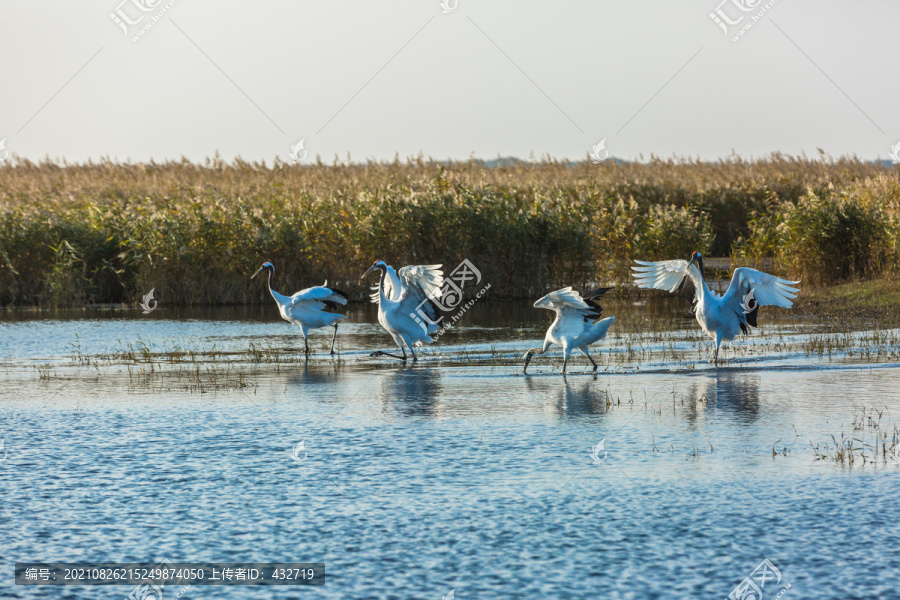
(577, 324)
(405, 307)
(306, 308)
(721, 317)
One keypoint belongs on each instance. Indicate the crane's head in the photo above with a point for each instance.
(267, 266)
(378, 265)
(696, 257)
(545, 302)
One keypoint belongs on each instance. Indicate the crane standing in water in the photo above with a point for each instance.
(306, 308)
(721, 317)
(577, 324)
(400, 296)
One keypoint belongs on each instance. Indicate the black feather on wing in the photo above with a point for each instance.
(751, 316)
(334, 305)
(591, 300)
(432, 312)
(750, 320)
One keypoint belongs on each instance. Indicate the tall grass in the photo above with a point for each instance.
(108, 232)
(831, 235)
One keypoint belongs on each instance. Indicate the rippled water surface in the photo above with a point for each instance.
(139, 438)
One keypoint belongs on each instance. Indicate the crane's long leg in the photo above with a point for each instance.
(716, 353)
(380, 353)
(585, 352)
(402, 349)
(412, 350)
(528, 356)
(334, 337)
(566, 353)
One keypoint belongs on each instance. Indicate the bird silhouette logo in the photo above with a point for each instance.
(596, 450)
(895, 153)
(4, 153)
(448, 6)
(296, 150)
(450, 595)
(599, 153)
(749, 303)
(3, 449)
(146, 592)
(148, 304)
(299, 448)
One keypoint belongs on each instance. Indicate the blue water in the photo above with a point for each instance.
(442, 476)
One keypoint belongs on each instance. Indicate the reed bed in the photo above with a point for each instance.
(107, 232)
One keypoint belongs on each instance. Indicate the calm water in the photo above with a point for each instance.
(455, 473)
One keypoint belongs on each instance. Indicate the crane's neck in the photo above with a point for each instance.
(704, 288)
(271, 284)
(382, 297)
(556, 322)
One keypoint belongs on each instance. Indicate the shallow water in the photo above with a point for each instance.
(457, 472)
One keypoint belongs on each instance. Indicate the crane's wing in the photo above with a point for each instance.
(419, 305)
(413, 287)
(567, 302)
(427, 278)
(768, 290)
(665, 274)
(317, 297)
(563, 299)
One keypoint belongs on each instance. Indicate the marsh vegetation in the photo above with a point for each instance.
(106, 233)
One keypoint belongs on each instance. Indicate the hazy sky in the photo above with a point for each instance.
(488, 78)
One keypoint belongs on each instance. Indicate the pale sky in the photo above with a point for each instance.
(488, 78)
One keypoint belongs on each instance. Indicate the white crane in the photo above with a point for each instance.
(577, 324)
(405, 307)
(306, 308)
(721, 317)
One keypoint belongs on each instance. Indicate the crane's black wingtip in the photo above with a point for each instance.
(591, 298)
(340, 293)
(330, 304)
(596, 293)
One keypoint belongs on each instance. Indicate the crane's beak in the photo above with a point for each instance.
(363, 276)
(261, 269)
